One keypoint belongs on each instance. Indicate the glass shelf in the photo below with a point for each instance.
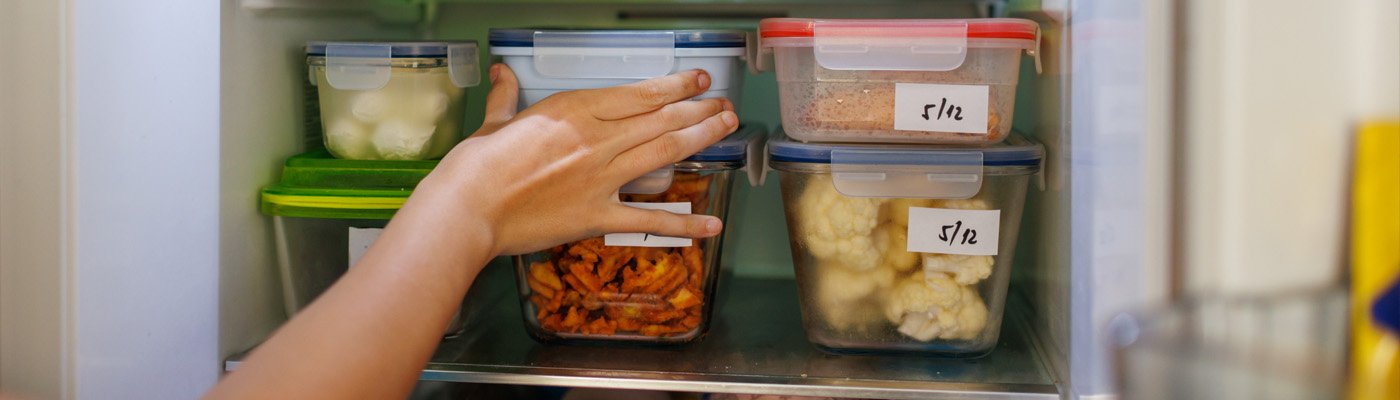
(755, 345)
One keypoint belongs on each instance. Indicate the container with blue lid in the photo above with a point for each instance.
(634, 287)
(548, 61)
(392, 100)
(904, 248)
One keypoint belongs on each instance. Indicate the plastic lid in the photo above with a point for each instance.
(317, 185)
(684, 38)
(397, 49)
(1016, 150)
(734, 147)
(983, 28)
(910, 171)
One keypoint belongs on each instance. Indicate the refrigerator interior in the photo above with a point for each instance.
(1085, 200)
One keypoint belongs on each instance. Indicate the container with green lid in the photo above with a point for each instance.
(325, 213)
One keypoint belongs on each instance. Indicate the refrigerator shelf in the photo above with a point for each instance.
(755, 345)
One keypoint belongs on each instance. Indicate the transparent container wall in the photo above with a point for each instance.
(312, 253)
(827, 105)
(417, 115)
(586, 291)
(861, 291)
(1289, 346)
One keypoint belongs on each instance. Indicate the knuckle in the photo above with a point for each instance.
(667, 147)
(652, 93)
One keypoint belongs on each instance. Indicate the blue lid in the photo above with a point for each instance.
(399, 49)
(685, 38)
(1016, 150)
(732, 148)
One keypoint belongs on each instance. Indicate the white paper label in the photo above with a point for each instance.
(949, 231)
(649, 240)
(940, 108)
(360, 239)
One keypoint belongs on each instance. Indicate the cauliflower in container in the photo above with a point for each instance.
(936, 308)
(838, 228)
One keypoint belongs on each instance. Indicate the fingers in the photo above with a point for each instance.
(658, 222)
(503, 98)
(672, 146)
(646, 127)
(624, 101)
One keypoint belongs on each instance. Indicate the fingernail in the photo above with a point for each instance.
(702, 79)
(729, 118)
(495, 72)
(712, 226)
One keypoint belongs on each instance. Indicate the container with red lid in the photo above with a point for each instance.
(898, 80)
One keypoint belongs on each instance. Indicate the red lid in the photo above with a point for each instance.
(984, 28)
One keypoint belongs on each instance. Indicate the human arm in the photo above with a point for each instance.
(521, 183)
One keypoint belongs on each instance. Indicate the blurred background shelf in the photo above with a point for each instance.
(755, 345)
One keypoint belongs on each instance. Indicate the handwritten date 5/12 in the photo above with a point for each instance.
(952, 111)
(969, 236)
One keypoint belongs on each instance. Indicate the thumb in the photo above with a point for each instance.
(503, 98)
(658, 222)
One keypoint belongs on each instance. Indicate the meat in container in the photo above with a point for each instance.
(392, 100)
(904, 248)
(548, 61)
(636, 287)
(898, 80)
(325, 213)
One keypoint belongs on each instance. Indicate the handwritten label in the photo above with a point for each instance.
(940, 108)
(950, 231)
(646, 239)
(360, 239)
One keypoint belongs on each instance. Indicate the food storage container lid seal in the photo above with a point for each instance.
(896, 44)
(367, 65)
(684, 38)
(318, 185)
(909, 171)
(604, 54)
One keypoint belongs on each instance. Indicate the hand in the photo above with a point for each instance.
(551, 174)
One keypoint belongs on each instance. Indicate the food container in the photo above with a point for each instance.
(890, 80)
(392, 100)
(635, 287)
(548, 61)
(904, 248)
(326, 212)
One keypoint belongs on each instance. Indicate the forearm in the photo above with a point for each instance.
(381, 321)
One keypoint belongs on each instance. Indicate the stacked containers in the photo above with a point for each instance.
(904, 248)
(904, 245)
(639, 288)
(549, 61)
(912, 81)
(326, 212)
(392, 100)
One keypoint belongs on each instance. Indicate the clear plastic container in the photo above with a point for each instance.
(910, 81)
(326, 212)
(904, 248)
(392, 100)
(548, 61)
(639, 288)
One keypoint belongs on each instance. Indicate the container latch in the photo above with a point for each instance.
(605, 54)
(358, 66)
(890, 45)
(462, 65)
(926, 174)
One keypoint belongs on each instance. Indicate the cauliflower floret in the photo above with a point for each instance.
(400, 140)
(966, 270)
(897, 210)
(963, 319)
(915, 295)
(838, 228)
(843, 295)
(892, 239)
(346, 138)
(963, 204)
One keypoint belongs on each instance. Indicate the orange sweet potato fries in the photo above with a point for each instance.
(588, 288)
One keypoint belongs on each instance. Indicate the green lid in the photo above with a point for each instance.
(318, 185)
